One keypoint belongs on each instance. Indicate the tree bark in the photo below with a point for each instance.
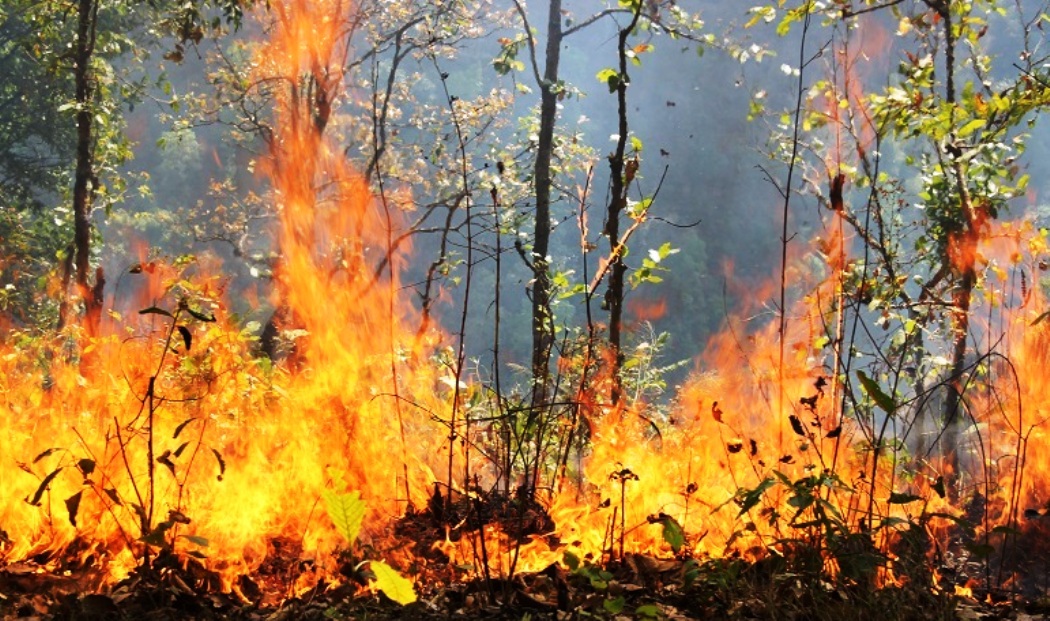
(542, 328)
(85, 181)
(963, 263)
(621, 175)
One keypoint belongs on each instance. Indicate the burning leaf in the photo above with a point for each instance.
(112, 493)
(86, 466)
(938, 486)
(43, 487)
(820, 383)
(154, 310)
(222, 463)
(392, 584)
(897, 498)
(834, 433)
(796, 425)
(165, 458)
(716, 411)
(73, 506)
(181, 426)
(178, 517)
(182, 447)
(44, 454)
(880, 398)
(155, 537)
(754, 447)
(809, 402)
(187, 337)
(735, 445)
(140, 512)
(201, 316)
(787, 459)
(346, 511)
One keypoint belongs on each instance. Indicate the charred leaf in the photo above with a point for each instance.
(187, 336)
(73, 507)
(43, 487)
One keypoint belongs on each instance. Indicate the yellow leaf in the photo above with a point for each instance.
(393, 584)
(346, 511)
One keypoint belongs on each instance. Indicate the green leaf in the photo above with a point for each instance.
(615, 605)
(752, 497)
(880, 398)
(609, 77)
(347, 511)
(571, 561)
(672, 532)
(392, 584)
(194, 539)
(970, 128)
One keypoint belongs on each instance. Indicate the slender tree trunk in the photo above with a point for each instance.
(85, 181)
(542, 329)
(963, 263)
(621, 174)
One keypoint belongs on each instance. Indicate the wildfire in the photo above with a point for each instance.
(168, 432)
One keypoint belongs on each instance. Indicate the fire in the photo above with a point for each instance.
(177, 435)
(167, 433)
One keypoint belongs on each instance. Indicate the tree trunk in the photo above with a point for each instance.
(542, 328)
(963, 263)
(85, 181)
(620, 180)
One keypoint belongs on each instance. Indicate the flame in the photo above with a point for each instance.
(239, 451)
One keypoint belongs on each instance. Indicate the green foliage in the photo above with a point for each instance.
(652, 265)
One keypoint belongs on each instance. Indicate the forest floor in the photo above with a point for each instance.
(632, 592)
(792, 586)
